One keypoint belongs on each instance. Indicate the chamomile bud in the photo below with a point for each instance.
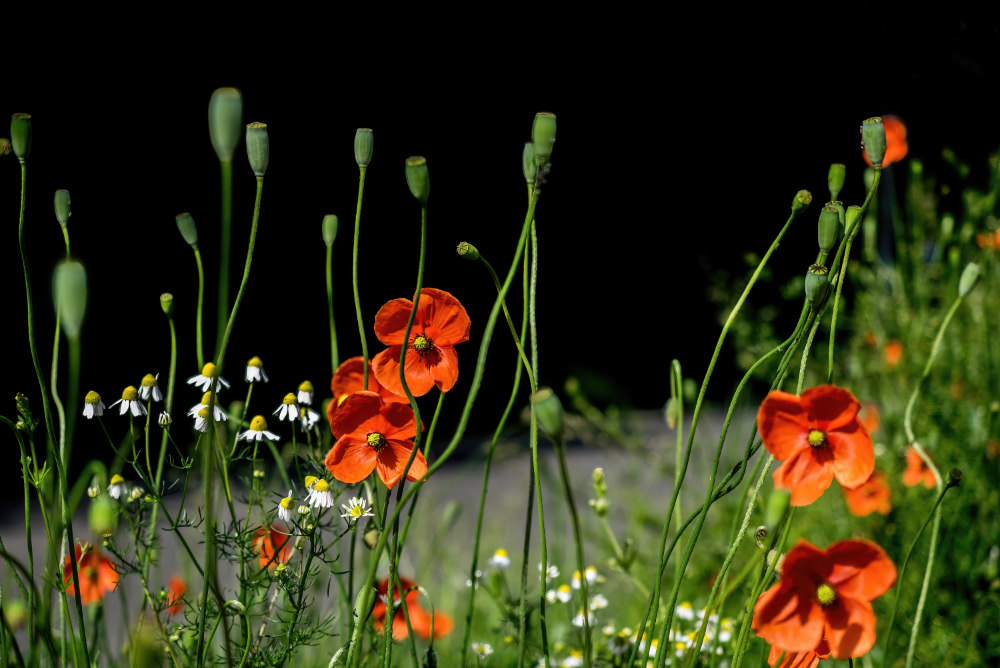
(258, 149)
(364, 146)
(873, 140)
(70, 296)
(418, 177)
(467, 251)
(186, 226)
(817, 283)
(225, 120)
(20, 135)
(329, 229)
(835, 179)
(62, 206)
(164, 420)
(543, 136)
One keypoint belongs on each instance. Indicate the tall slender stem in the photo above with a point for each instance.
(226, 167)
(354, 276)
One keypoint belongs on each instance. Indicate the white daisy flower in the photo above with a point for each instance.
(482, 650)
(149, 388)
(204, 379)
(92, 405)
(685, 611)
(255, 371)
(500, 559)
(308, 417)
(320, 496)
(306, 393)
(578, 620)
(356, 509)
(220, 415)
(550, 596)
(92, 492)
(574, 660)
(117, 487)
(287, 410)
(619, 643)
(564, 593)
(130, 401)
(550, 573)
(598, 602)
(258, 430)
(591, 575)
(165, 420)
(285, 507)
(726, 630)
(201, 419)
(135, 494)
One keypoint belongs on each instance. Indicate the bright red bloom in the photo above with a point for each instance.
(273, 544)
(373, 436)
(895, 142)
(799, 659)
(825, 595)
(872, 497)
(420, 619)
(438, 326)
(175, 594)
(96, 573)
(819, 437)
(893, 352)
(917, 470)
(349, 378)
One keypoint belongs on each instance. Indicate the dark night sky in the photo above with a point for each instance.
(680, 146)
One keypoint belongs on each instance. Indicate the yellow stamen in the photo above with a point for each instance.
(306, 386)
(117, 479)
(322, 486)
(208, 370)
(258, 423)
(816, 438)
(92, 398)
(825, 595)
(149, 380)
(376, 441)
(289, 399)
(255, 362)
(130, 394)
(421, 344)
(287, 503)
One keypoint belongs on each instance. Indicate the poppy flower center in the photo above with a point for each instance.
(816, 438)
(376, 441)
(825, 595)
(422, 344)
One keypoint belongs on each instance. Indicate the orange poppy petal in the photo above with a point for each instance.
(862, 570)
(853, 455)
(392, 460)
(349, 377)
(445, 319)
(351, 459)
(445, 372)
(418, 374)
(357, 408)
(390, 321)
(850, 628)
(830, 406)
(792, 659)
(783, 424)
(399, 421)
(784, 618)
(806, 475)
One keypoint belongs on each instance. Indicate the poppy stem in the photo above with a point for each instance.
(354, 275)
(198, 324)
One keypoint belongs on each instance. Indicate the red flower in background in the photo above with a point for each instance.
(373, 436)
(872, 497)
(871, 418)
(893, 352)
(895, 142)
(799, 659)
(438, 326)
(349, 378)
(825, 595)
(96, 573)
(175, 594)
(818, 437)
(420, 619)
(273, 545)
(917, 470)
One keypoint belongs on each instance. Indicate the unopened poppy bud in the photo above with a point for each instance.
(430, 658)
(777, 502)
(801, 202)
(364, 146)
(873, 140)
(829, 228)
(330, 224)
(258, 150)
(835, 179)
(225, 120)
(543, 136)
(371, 538)
(62, 207)
(468, 251)
(954, 477)
(817, 283)
(671, 411)
(970, 276)
(186, 226)
(5, 147)
(167, 303)
(852, 220)
(70, 288)
(102, 515)
(20, 135)
(548, 408)
(528, 165)
(418, 177)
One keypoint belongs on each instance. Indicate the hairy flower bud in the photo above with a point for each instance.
(61, 203)
(225, 120)
(835, 179)
(418, 177)
(364, 146)
(258, 149)
(873, 140)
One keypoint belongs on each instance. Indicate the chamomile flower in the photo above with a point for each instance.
(130, 401)
(201, 419)
(564, 593)
(551, 572)
(135, 494)
(306, 393)
(92, 492)
(619, 643)
(685, 611)
(255, 371)
(482, 650)
(117, 487)
(591, 575)
(578, 620)
(287, 410)
(598, 602)
(149, 388)
(92, 405)
(320, 496)
(500, 559)
(356, 509)
(310, 481)
(307, 418)
(726, 630)
(220, 415)
(204, 379)
(285, 507)
(574, 660)
(258, 430)
(165, 420)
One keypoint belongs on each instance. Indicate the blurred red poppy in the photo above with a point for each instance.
(872, 497)
(893, 352)
(799, 659)
(175, 595)
(96, 573)
(273, 545)
(420, 619)
(895, 142)
(917, 470)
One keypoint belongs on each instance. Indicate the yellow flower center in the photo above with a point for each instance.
(816, 438)
(258, 423)
(825, 595)
(149, 380)
(287, 503)
(322, 486)
(206, 398)
(92, 398)
(422, 344)
(306, 386)
(356, 511)
(130, 394)
(255, 362)
(204, 413)
(501, 552)
(117, 479)
(310, 479)
(376, 441)
(208, 370)
(289, 399)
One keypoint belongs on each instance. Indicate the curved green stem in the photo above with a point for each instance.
(198, 325)
(354, 275)
(334, 356)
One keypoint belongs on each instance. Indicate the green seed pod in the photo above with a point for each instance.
(803, 199)
(167, 303)
(258, 150)
(418, 177)
(829, 228)
(185, 223)
(548, 408)
(329, 229)
(62, 207)
(102, 515)
(954, 477)
(970, 276)
(20, 135)
(852, 220)
(873, 140)
(5, 147)
(528, 165)
(468, 251)
(817, 284)
(225, 120)
(70, 296)
(364, 146)
(543, 136)
(835, 179)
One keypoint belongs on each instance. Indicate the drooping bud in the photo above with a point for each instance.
(258, 150)
(970, 276)
(873, 140)
(817, 283)
(70, 296)
(225, 120)
(364, 146)
(329, 229)
(548, 408)
(62, 207)
(20, 135)
(418, 177)
(801, 202)
(835, 179)
(528, 165)
(543, 136)
(187, 228)
(167, 303)
(829, 228)
(468, 251)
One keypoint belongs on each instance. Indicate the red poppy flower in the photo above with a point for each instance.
(895, 142)
(349, 378)
(871, 497)
(871, 418)
(273, 544)
(917, 470)
(96, 573)
(420, 619)
(373, 436)
(893, 352)
(438, 326)
(819, 437)
(799, 659)
(825, 595)
(175, 595)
